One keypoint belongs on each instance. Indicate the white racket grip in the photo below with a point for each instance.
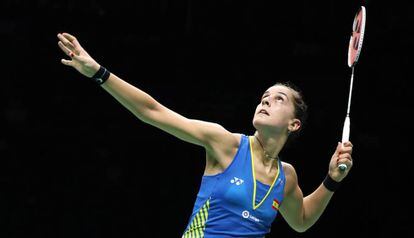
(345, 137)
(346, 130)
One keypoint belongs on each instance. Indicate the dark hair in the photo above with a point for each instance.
(301, 109)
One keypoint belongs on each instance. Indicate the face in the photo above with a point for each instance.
(276, 111)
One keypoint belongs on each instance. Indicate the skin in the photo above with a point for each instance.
(273, 120)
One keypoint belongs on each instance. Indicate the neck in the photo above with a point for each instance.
(269, 146)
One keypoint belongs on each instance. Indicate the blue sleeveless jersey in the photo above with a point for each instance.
(235, 204)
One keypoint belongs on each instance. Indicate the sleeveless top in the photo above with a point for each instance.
(233, 203)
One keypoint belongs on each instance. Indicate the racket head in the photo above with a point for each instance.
(357, 37)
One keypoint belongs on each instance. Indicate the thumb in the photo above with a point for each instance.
(66, 62)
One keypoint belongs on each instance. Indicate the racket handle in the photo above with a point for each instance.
(345, 138)
(346, 129)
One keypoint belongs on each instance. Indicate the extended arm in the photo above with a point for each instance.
(145, 107)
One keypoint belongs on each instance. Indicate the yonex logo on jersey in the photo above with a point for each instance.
(237, 181)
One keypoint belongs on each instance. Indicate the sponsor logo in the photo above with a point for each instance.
(247, 215)
(237, 181)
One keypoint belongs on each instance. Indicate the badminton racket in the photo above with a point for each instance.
(354, 51)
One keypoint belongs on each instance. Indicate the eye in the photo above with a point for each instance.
(280, 98)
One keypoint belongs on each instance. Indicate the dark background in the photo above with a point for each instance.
(74, 163)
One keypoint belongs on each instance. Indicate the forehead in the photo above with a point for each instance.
(280, 89)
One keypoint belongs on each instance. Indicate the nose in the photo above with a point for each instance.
(265, 102)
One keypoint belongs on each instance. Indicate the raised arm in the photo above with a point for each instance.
(302, 212)
(209, 135)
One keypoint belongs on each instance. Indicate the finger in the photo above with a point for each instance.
(66, 62)
(345, 156)
(344, 150)
(348, 144)
(64, 39)
(71, 38)
(64, 48)
(66, 42)
(68, 52)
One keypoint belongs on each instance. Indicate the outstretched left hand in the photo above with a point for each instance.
(80, 59)
(342, 155)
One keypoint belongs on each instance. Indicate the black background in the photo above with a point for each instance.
(74, 163)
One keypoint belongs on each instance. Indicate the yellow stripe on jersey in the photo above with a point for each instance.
(254, 178)
(198, 224)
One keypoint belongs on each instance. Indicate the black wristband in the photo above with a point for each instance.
(101, 75)
(331, 184)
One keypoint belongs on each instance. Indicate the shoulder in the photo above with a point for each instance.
(222, 153)
(237, 137)
(291, 177)
(232, 140)
(222, 139)
(224, 148)
(288, 169)
(234, 143)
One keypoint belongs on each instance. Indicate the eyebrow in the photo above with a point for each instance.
(284, 95)
(267, 92)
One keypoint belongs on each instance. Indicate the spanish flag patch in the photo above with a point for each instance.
(275, 204)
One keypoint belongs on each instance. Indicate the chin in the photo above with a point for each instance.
(257, 123)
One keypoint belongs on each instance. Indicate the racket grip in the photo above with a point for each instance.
(345, 138)
(346, 129)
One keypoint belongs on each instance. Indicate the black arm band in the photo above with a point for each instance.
(101, 75)
(331, 184)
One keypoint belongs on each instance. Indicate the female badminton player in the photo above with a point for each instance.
(245, 184)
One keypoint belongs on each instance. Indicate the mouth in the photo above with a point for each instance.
(263, 111)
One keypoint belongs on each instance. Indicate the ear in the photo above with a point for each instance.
(294, 125)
